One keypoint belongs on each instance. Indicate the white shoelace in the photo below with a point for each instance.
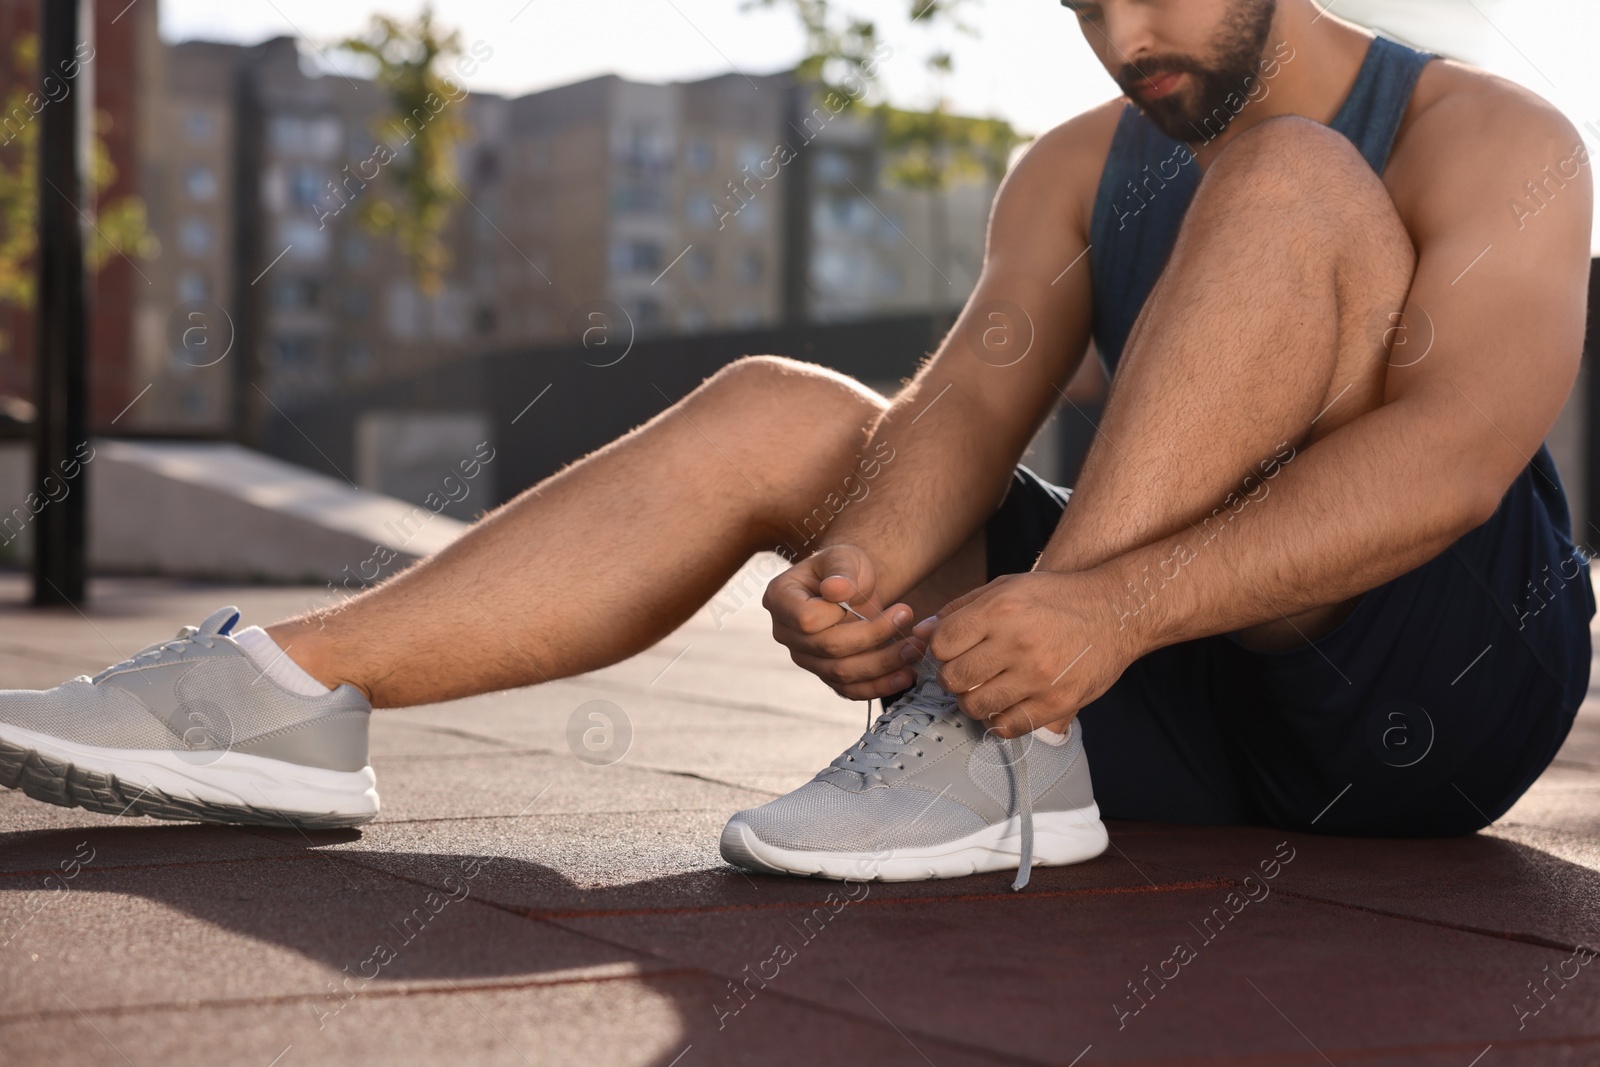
(925, 709)
(187, 636)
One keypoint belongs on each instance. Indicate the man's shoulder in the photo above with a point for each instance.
(1080, 143)
(1469, 134)
(1460, 114)
(1063, 164)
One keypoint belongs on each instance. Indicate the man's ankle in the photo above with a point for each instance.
(304, 643)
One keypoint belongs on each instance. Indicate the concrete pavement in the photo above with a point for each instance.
(515, 904)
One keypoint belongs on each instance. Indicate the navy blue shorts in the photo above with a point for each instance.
(1428, 711)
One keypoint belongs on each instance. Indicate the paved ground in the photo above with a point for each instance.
(568, 913)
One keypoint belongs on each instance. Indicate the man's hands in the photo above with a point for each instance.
(1024, 651)
(859, 659)
(1029, 650)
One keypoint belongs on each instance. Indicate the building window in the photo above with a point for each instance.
(648, 315)
(295, 354)
(701, 210)
(635, 257)
(698, 263)
(303, 239)
(832, 168)
(355, 358)
(200, 183)
(645, 147)
(747, 317)
(700, 155)
(192, 286)
(638, 199)
(695, 318)
(751, 267)
(356, 251)
(196, 237)
(305, 185)
(294, 294)
(357, 302)
(199, 125)
(316, 137)
(752, 217)
(752, 154)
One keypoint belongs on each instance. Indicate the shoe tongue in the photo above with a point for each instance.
(219, 622)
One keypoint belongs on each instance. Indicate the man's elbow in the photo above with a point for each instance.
(1479, 498)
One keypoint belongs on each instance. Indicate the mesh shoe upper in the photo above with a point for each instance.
(196, 692)
(822, 817)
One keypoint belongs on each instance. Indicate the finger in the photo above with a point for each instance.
(868, 667)
(843, 588)
(852, 635)
(794, 601)
(994, 696)
(1030, 714)
(881, 689)
(845, 639)
(901, 653)
(977, 666)
(846, 575)
(962, 601)
(959, 628)
(789, 590)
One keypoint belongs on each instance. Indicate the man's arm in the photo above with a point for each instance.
(964, 420)
(957, 429)
(1387, 491)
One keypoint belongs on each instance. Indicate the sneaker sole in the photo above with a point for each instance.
(237, 788)
(1059, 838)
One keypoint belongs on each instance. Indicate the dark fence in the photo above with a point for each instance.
(583, 397)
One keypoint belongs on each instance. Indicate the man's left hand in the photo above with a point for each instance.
(1029, 650)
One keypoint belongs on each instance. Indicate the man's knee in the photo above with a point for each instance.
(1290, 155)
(792, 387)
(1296, 170)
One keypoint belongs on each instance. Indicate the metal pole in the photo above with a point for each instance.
(60, 529)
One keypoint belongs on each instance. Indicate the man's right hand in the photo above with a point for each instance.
(859, 659)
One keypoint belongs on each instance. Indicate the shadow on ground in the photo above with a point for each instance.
(950, 972)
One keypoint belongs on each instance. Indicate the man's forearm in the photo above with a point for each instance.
(1361, 507)
(950, 470)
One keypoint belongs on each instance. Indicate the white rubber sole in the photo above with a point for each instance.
(1059, 838)
(231, 788)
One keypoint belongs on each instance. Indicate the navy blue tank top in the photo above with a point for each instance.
(1150, 179)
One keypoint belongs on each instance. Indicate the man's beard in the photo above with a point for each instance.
(1201, 112)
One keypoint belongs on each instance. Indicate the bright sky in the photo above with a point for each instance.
(1028, 64)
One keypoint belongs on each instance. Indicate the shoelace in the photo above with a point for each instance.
(921, 711)
(189, 635)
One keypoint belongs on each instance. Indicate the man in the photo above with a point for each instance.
(1317, 571)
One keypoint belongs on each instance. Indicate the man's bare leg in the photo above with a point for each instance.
(605, 558)
(1267, 326)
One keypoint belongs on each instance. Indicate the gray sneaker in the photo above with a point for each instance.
(191, 729)
(926, 793)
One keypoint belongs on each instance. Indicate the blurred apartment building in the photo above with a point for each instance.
(657, 208)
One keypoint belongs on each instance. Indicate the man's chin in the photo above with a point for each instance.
(1178, 125)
